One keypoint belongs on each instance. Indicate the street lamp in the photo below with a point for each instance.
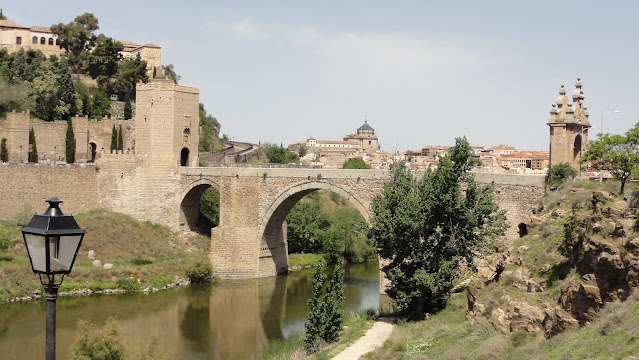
(600, 136)
(52, 241)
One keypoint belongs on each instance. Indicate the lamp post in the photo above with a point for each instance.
(600, 136)
(52, 241)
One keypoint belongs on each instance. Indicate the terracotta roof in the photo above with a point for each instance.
(43, 29)
(128, 43)
(11, 24)
(151, 45)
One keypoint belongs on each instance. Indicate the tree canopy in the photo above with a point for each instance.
(620, 153)
(280, 155)
(355, 163)
(77, 38)
(559, 174)
(426, 228)
(103, 62)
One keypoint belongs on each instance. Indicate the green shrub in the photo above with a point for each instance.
(559, 174)
(200, 272)
(141, 261)
(93, 342)
(127, 284)
(160, 281)
(5, 242)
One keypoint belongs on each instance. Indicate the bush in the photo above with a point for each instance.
(200, 272)
(127, 284)
(141, 261)
(5, 242)
(93, 342)
(559, 174)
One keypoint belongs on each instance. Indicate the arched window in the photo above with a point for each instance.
(34, 40)
(57, 41)
(50, 41)
(184, 157)
(43, 41)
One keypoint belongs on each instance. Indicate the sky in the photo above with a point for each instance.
(420, 72)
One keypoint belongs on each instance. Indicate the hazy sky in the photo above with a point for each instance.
(421, 72)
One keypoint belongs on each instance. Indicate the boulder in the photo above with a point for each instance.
(558, 320)
(97, 263)
(108, 266)
(633, 199)
(523, 316)
(91, 255)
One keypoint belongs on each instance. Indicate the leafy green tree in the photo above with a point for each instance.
(120, 140)
(352, 229)
(19, 65)
(559, 174)
(77, 38)
(66, 101)
(307, 224)
(128, 110)
(100, 103)
(280, 155)
(69, 150)
(14, 96)
(3, 150)
(33, 149)
(302, 151)
(114, 138)
(104, 60)
(209, 208)
(169, 71)
(426, 228)
(313, 328)
(131, 71)
(355, 163)
(332, 305)
(210, 130)
(617, 152)
(43, 91)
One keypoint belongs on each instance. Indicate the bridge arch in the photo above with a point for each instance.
(273, 258)
(189, 203)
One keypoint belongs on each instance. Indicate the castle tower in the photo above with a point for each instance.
(167, 125)
(568, 127)
(18, 136)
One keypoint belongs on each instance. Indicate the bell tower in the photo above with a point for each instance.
(568, 127)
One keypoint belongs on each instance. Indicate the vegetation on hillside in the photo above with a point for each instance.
(355, 163)
(143, 255)
(277, 154)
(559, 174)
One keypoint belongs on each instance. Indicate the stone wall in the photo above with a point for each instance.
(25, 187)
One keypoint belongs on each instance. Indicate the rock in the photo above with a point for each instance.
(536, 220)
(633, 199)
(97, 263)
(523, 281)
(91, 255)
(523, 316)
(557, 320)
(499, 320)
(632, 245)
(108, 266)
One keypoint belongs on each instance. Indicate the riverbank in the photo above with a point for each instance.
(118, 254)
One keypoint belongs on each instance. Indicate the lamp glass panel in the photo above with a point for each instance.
(37, 251)
(67, 248)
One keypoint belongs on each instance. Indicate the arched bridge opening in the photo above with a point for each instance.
(273, 252)
(200, 207)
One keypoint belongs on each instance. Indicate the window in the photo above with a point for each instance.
(34, 40)
(43, 41)
(50, 41)
(18, 40)
(57, 41)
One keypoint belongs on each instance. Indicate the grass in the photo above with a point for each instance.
(145, 253)
(355, 326)
(304, 260)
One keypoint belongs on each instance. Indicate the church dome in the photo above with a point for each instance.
(365, 127)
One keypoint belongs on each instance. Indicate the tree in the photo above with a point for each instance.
(2, 17)
(315, 318)
(559, 174)
(93, 342)
(3, 150)
(426, 228)
(355, 163)
(69, 150)
(307, 224)
(120, 140)
(104, 60)
(209, 130)
(131, 71)
(77, 38)
(65, 92)
(302, 151)
(33, 149)
(169, 71)
(209, 208)
(114, 138)
(44, 93)
(617, 152)
(128, 110)
(325, 317)
(281, 155)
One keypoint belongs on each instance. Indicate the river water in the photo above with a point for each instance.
(233, 319)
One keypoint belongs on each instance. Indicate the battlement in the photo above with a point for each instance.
(165, 84)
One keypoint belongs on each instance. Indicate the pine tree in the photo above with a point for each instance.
(33, 150)
(2, 17)
(114, 139)
(120, 142)
(128, 110)
(3, 150)
(66, 106)
(69, 150)
(313, 328)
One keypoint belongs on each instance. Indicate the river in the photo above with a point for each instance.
(233, 319)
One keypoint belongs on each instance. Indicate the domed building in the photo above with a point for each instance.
(365, 138)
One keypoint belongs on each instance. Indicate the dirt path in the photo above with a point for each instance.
(373, 339)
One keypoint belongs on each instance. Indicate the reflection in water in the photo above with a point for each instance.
(234, 319)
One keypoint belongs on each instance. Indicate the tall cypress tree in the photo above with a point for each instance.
(69, 151)
(66, 91)
(114, 139)
(3, 150)
(128, 109)
(120, 142)
(33, 150)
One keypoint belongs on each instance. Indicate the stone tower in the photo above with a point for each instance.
(568, 127)
(167, 125)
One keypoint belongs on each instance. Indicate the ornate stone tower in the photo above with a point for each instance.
(568, 127)
(167, 124)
